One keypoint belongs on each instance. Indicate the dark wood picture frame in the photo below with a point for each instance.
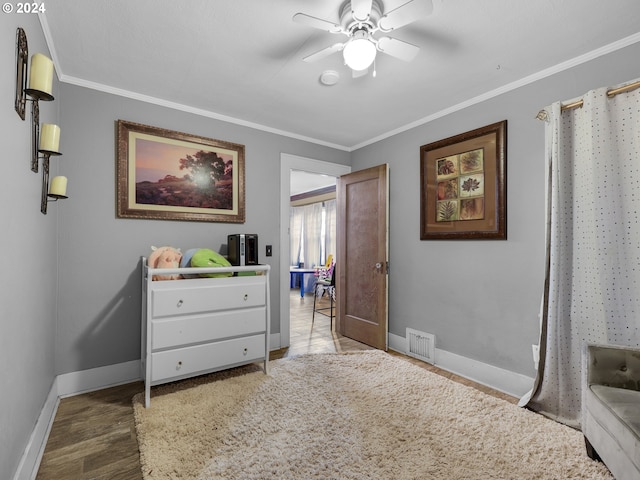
(168, 175)
(463, 191)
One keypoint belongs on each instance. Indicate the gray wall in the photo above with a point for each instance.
(99, 276)
(481, 298)
(29, 240)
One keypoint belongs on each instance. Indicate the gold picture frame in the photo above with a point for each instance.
(463, 185)
(168, 175)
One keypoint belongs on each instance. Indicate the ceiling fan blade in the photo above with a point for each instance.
(360, 9)
(409, 12)
(397, 48)
(318, 23)
(325, 52)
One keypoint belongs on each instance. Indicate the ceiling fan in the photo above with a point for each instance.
(359, 21)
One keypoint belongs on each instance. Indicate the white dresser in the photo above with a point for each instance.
(200, 325)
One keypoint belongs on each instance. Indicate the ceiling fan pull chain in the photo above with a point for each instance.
(374, 68)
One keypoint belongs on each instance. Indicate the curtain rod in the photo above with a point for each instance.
(611, 93)
(578, 104)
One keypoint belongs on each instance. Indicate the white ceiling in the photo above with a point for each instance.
(301, 182)
(241, 60)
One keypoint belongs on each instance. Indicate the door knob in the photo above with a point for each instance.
(380, 265)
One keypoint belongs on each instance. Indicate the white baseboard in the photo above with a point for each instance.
(506, 381)
(67, 385)
(98, 378)
(32, 455)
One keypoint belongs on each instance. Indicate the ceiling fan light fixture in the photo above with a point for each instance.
(359, 52)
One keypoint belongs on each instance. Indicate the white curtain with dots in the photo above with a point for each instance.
(592, 289)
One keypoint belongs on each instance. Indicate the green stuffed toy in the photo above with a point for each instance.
(205, 257)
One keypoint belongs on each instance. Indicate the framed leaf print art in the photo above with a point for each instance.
(463, 185)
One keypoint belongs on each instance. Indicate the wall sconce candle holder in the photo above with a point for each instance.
(58, 185)
(39, 89)
(36, 95)
(49, 140)
(22, 55)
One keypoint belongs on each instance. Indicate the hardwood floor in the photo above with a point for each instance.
(318, 338)
(93, 435)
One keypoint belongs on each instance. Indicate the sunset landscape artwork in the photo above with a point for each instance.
(169, 175)
(178, 175)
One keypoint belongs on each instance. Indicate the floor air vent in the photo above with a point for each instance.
(421, 345)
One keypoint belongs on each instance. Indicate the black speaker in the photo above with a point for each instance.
(242, 249)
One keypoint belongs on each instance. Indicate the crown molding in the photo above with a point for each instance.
(560, 67)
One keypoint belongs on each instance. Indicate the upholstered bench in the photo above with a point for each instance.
(611, 408)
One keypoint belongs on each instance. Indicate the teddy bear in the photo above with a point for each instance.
(165, 257)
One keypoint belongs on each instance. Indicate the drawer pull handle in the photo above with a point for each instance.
(245, 351)
(180, 302)
(246, 297)
(179, 366)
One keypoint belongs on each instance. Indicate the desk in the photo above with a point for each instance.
(300, 272)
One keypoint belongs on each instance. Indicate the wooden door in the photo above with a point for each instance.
(362, 260)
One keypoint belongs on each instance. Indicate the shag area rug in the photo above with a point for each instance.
(364, 415)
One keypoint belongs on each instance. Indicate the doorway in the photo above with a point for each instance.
(289, 163)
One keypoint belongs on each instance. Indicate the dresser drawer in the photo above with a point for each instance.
(178, 331)
(187, 361)
(231, 294)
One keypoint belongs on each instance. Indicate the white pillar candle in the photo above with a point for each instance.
(58, 186)
(41, 76)
(50, 138)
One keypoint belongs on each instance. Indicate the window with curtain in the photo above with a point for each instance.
(313, 233)
(330, 230)
(593, 252)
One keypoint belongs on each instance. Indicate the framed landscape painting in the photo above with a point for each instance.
(168, 175)
(463, 185)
